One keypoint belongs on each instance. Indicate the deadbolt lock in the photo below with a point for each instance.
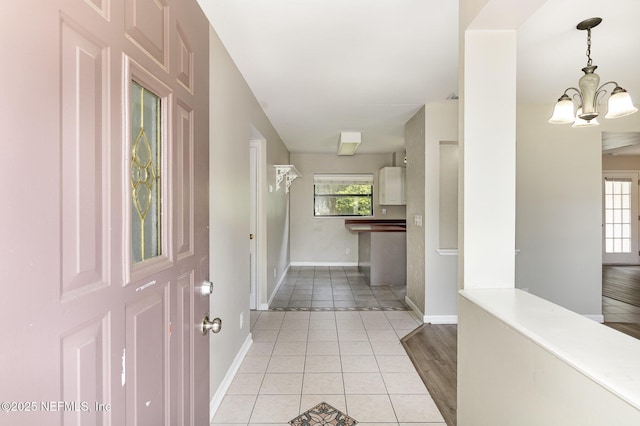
(214, 326)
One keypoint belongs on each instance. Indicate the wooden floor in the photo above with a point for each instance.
(627, 328)
(433, 351)
(621, 283)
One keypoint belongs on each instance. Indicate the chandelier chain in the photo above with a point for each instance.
(589, 62)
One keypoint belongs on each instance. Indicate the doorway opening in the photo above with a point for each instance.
(257, 230)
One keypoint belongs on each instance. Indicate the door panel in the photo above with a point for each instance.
(184, 59)
(147, 24)
(83, 147)
(185, 335)
(147, 361)
(85, 324)
(185, 186)
(85, 362)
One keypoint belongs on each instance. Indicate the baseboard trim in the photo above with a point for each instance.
(454, 252)
(324, 263)
(264, 307)
(414, 308)
(596, 318)
(216, 400)
(431, 319)
(441, 319)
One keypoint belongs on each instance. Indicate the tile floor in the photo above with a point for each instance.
(353, 360)
(334, 287)
(616, 311)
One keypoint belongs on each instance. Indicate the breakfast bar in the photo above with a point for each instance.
(382, 250)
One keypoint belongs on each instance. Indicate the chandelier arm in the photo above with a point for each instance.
(601, 92)
(601, 88)
(577, 95)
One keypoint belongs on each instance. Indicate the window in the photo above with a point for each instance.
(342, 195)
(145, 173)
(617, 215)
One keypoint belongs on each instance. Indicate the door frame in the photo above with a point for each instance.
(260, 302)
(632, 258)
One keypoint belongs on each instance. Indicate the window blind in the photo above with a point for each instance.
(342, 179)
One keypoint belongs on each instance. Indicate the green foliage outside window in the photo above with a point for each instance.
(343, 200)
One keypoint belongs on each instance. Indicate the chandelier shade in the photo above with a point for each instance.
(579, 122)
(590, 92)
(563, 112)
(620, 104)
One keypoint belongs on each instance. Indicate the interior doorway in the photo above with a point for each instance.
(620, 232)
(257, 230)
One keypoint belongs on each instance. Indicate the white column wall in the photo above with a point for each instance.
(488, 257)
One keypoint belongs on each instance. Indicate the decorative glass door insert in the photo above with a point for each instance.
(145, 173)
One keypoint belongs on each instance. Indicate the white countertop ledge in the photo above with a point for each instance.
(603, 354)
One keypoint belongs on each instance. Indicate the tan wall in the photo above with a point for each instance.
(414, 139)
(432, 193)
(558, 211)
(621, 162)
(233, 110)
(441, 270)
(326, 240)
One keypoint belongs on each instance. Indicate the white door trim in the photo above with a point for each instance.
(634, 256)
(261, 222)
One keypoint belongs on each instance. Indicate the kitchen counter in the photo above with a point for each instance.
(375, 227)
(382, 250)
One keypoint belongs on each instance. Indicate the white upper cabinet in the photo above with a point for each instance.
(391, 186)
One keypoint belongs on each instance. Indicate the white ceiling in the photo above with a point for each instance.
(320, 67)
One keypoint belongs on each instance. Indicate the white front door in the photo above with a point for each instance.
(620, 218)
(104, 183)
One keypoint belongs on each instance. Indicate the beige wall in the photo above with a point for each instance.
(448, 195)
(441, 270)
(559, 207)
(233, 110)
(325, 240)
(558, 218)
(621, 162)
(432, 275)
(277, 220)
(558, 211)
(414, 141)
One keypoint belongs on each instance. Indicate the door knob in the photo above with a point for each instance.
(251, 236)
(214, 326)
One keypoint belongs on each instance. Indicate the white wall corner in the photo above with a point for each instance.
(440, 319)
(414, 308)
(216, 400)
(431, 319)
(596, 318)
(265, 307)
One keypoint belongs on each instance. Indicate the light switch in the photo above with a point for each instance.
(418, 219)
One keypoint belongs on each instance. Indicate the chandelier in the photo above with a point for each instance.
(589, 94)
